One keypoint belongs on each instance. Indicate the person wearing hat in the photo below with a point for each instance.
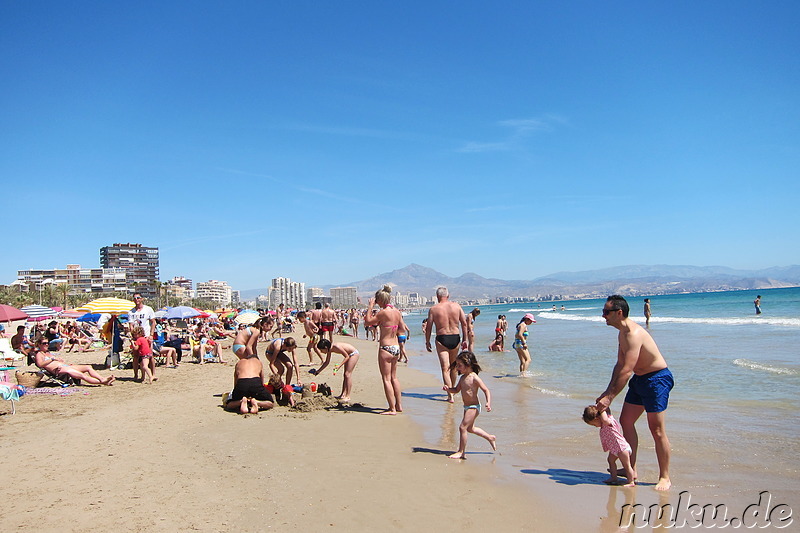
(521, 344)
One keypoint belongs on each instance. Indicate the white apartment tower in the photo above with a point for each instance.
(285, 291)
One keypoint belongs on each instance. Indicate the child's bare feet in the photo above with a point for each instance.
(613, 480)
(457, 455)
(663, 484)
(493, 441)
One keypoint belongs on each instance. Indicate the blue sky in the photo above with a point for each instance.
(332, 141)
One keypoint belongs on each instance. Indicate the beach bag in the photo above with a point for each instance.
(112, 360)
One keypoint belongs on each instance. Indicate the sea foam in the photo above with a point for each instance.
(764, 367)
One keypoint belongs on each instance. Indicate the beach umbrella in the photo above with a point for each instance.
(247, 317)
(114, 306)
(161, 313)
(89, 317)
(38, 312)
(71, 313)
(10, 314)
(182, 311)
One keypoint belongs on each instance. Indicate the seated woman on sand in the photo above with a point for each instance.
(56, 366)
(76, 336)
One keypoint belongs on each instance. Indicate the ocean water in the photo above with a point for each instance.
(732, 418)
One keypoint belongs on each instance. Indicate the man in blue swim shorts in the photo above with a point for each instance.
(640, 361)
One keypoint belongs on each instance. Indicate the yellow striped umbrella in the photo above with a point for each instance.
(114, 306)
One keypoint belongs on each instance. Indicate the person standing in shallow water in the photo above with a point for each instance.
(447, 316)
(647, 312)
(639, 360)
(757, 303)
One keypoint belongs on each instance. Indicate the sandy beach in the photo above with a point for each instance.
(167, 457)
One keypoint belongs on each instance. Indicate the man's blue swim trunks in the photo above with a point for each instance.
(651, 390)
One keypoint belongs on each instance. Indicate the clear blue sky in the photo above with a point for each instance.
(510, 139)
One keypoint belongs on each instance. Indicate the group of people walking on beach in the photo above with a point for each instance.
(639, 364)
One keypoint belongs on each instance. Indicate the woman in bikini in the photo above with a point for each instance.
(57, 366)
(521, 344)
(246, 341)
(389, 321)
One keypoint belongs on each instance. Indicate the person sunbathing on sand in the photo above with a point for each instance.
(613, 442)
(468, 384)
(350, 354)
(57, 366)
(249, 393)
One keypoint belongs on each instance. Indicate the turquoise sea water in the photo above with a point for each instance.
(733, 414)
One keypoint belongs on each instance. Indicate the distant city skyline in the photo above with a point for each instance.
(257, 140)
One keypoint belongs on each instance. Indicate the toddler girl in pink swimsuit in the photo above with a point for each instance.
(613, 442)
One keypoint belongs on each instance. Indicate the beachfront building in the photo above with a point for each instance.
(400, 299)
(80, 280)
(139, 262)
(344, 297)
(415, 299)
(236, 298)
(180, 281)
(314, 292)
(287, 292)
(216, 291)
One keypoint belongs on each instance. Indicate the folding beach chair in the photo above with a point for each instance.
(61, 380)
(9, 357)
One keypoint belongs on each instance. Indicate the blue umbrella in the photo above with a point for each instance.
(182, 311)
(89, 317)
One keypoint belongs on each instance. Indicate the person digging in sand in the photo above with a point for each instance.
(468, 384)
(249, 394)
(350, 354)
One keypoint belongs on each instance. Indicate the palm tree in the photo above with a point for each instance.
(62, 290)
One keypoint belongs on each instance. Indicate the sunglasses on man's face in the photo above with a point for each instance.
(607, 312)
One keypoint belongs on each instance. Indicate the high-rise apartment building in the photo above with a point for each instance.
(139, 262)
(344, 297)
(285, 291)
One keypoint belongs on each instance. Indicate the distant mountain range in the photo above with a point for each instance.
(631, 280)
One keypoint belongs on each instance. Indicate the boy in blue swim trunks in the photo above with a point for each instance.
(640, 361)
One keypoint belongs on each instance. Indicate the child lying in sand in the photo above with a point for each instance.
(613, 442)
(469, 383)
(249, 394)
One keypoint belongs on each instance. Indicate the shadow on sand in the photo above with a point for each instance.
(575, 477)
(434, 397)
